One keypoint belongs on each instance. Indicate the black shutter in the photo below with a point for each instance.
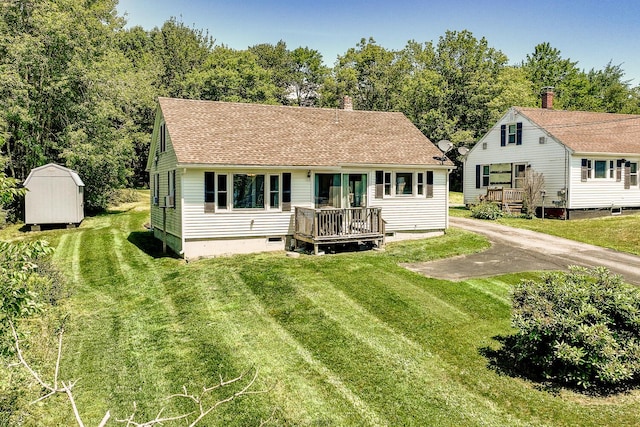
(286, 192)
(627, 175)
(618, 170)
(519, 133)
(209, 192)
(379, 184)
(478, 176)
(503, 135)
(429, 184)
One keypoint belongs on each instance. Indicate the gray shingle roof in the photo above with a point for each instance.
(227, 133)
(589, 132)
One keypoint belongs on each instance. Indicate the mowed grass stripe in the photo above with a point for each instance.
(403, 354)
(282, 358)
(403, 398)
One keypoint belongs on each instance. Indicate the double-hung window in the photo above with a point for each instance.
(633, 174)
(420, 183)
(274, 191)
(585, 169)
(156, 189)
(222, 192)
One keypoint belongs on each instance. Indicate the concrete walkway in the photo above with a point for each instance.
(516, 250)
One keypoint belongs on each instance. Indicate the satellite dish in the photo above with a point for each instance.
(463, 150)
(445, 145)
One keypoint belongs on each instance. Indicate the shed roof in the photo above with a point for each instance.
(589, 132)
(226, 133)
(52, 169)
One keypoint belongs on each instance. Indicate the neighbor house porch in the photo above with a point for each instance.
(330, 225)
(509, 199)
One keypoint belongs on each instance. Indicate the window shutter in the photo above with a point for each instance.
(429, 184)
(286, 192)
(478, 176)
(503, 135)
(618, 170)
(519, 133)
(584, 170)
(209, 192)
(379, 184)
(627, 175)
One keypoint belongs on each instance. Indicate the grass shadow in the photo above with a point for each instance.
(147, 243)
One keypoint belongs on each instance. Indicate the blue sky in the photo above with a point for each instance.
(592, 32)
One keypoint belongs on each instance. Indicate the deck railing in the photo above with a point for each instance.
(510, 199)
(505, 195)
(331, 225)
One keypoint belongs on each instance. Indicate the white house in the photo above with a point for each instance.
(234, 177)
(589, 160)
(55, 195)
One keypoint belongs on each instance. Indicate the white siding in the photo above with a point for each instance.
(239, 223)
(166, 162)
(53, 196)
(549, 158)
(602, 192)
(417, 213)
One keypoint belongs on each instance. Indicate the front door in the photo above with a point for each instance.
(355, 190)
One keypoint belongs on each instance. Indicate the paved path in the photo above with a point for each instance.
(515, 250)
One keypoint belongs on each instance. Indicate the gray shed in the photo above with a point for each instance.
(55, 196)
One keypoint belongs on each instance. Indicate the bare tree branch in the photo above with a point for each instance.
(66, 387)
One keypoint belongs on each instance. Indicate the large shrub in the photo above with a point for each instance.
(578, 329)
(486, 210)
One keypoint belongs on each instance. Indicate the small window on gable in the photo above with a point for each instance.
(511, 137)
(511, 134)
(163, 137)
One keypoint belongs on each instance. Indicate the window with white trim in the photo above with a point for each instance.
(404, 183)
(633, 174)
(486, 175)
(274, 191)
(600, 169)
(156, 189)
(248, 191)
(222, 192)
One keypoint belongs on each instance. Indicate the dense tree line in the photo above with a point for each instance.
(78, 88)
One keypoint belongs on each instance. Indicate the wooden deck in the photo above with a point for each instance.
(329, 226)
(509, 199)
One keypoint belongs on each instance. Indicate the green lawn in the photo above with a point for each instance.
(343, 340)
(615, 232)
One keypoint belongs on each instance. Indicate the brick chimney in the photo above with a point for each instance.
(347, 104)
(547, 98)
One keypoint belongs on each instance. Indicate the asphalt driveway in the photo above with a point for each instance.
(516, 250)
